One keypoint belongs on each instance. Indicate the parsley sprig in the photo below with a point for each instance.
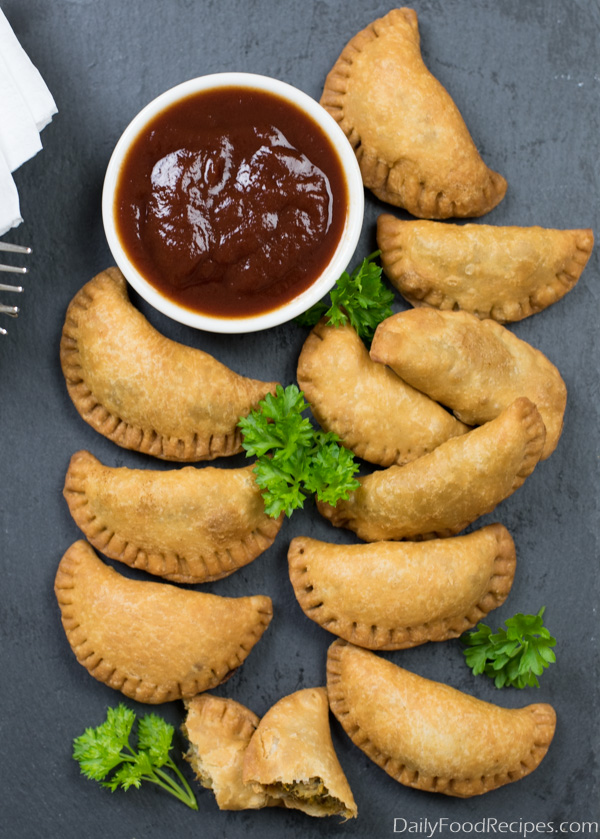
(512, 657)
(101, 750)
(294, 460)
(359, 297)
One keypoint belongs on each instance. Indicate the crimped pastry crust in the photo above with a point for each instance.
(144, 391)
(412, 145)
(189, 525)
(153, 641)
(292, 752)
(394, 595)
(376, 414)
(442, 492)
(477, 368)
(219, 731)
(504, 273)
(428, 735)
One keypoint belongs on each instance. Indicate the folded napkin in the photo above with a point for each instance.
(26, 76)
(26, 106)
(10, 214)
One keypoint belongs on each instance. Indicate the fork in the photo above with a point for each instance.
(12, 311)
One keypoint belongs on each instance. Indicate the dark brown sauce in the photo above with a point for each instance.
(231, 202)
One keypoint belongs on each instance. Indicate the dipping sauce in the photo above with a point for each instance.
(231, 202)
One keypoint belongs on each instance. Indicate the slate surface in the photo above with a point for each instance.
(526, 78)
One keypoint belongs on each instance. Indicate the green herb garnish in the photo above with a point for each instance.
(295, 460)
(512, 657)
(101, 750)
(360, 297)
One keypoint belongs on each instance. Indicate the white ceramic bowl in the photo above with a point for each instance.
(348, 240)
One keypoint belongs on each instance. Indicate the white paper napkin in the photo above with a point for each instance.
(19, 135)
(26, 76)
(10, 214)
(26, 106)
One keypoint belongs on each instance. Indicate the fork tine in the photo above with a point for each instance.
(13, 269)
(8, 248)
(11, 311)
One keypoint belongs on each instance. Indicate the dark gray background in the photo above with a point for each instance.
(526, 77)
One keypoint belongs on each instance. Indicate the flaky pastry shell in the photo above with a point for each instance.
(442, 492)
(189, 525)
(291, 756)
(477, 368)
(426, 734)
(376, 414)
(219, 731)
(413, 147)
(144, 391)
(393, 595)
(153, 641)
(504, 273)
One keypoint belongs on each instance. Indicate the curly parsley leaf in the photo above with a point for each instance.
(101, 750)
(155, 736)
(331, 476)
(282, 491)
(294, 460)
(313, 315)
(514, 656)
(360, 298)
